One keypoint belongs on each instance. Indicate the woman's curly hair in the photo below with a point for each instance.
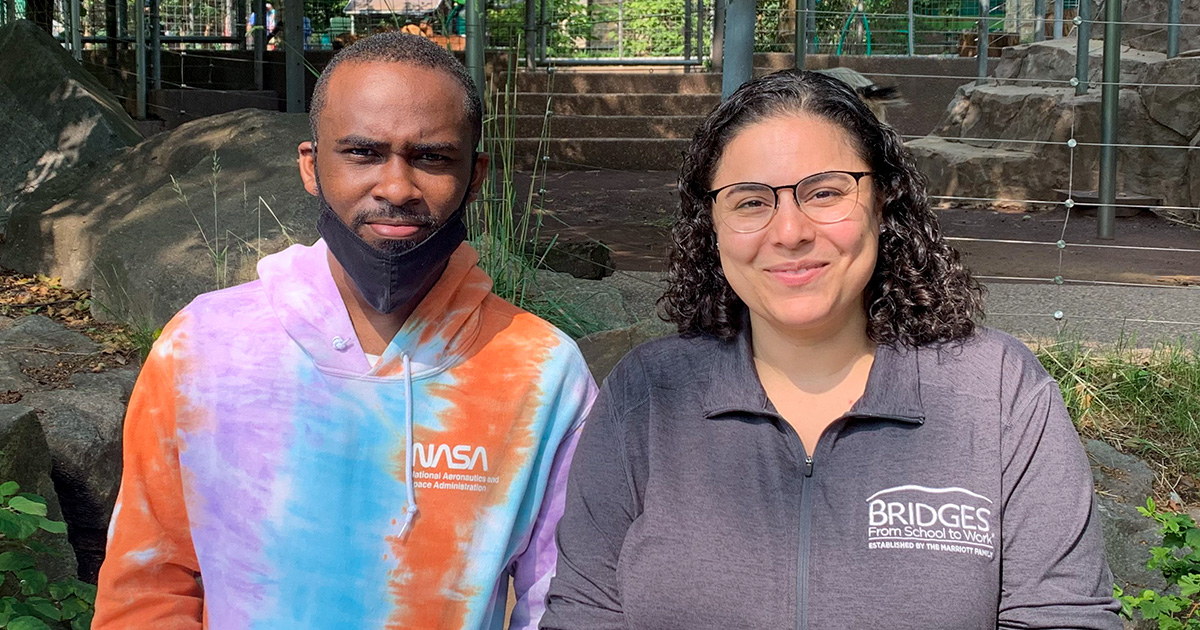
(919, 293)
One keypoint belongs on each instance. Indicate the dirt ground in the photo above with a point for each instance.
(631, 212)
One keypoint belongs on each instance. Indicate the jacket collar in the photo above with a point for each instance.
(893, 386)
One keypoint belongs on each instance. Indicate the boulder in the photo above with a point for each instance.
(1143, 21)
(35, 342)
(957, 169)
(587, 260)
(603, 350)
(83, 429)
(57, 116)
(1122, 484)
(184, 212)
(25, 459)
(1172, 94)
(1051, 63)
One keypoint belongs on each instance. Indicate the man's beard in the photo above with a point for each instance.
(384, 211)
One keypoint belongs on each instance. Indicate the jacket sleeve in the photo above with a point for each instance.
(600, 507)
(1054, 571)
(148, 579)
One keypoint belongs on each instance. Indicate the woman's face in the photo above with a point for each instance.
(797, 275)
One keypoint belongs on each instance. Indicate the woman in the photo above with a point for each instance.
(831, 441)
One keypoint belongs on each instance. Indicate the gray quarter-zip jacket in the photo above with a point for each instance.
(955, 494)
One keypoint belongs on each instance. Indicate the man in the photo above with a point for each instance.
(365, 437)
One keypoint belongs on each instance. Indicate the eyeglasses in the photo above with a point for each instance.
(826, 197)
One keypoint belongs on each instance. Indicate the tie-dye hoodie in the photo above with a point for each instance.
(266, 460)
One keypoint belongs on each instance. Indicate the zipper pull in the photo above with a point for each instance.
(808, 465)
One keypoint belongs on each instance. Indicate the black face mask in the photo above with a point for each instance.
(389, 280)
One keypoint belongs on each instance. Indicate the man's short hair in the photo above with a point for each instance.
(396, 47)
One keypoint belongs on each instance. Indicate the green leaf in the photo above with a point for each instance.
(73, 607)
(16, 526)
(60, 590)
(1189, 585)
(83, 621)
(15, 561)
(85, 591)
(9, 488)
(54, 527)
(32, 581)
(24, 505)
(1192, 538)
(27, 623)
(44, 608)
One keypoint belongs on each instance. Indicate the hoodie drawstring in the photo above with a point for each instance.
(411, 510)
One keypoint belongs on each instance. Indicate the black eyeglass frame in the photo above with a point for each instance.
(711, 196)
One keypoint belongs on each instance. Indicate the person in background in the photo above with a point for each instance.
(366, 436)
(831, 441)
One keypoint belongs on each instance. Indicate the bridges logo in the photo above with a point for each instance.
(460, 457)
(934, 520)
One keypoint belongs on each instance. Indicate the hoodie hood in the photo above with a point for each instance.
(304, 297)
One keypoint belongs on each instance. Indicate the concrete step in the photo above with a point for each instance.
(609, 126)
(631, 154)
(565, 82)
(663, 104)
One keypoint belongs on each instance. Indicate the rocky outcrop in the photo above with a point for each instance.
(1010, 138)
(145, 234)
(25, 459)
(57, 116)
(81, 418)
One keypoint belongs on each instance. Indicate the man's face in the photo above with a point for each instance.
(395, 155)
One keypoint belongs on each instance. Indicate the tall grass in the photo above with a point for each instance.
(505, 223)
(1142, 401)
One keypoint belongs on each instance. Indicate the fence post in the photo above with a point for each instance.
(718, 37)
(1059, 12)
(1083, 46)
(475, 46)
(620, 28)
(700, 31)
(1039, 19)
(802, 33)
(812, 25)
(1109, 110)
(530, 34)
(1174, 17)
(293, 38)
(260, 40)
(544, 30)
(140, 25)
(156, 44)
(982, 43)
(739, 46)
(687, 34)
(76, 31)
(911, 26)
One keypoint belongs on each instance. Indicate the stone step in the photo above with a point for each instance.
(566, 82)
(652, 127)
(632, 154)
(665, 104)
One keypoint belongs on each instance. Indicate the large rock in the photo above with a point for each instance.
(57, 116)
(1052, 63)
(35, 342)
(1010, 142)
(139, 242)
(25, 459)
(83, 429)
(1122, 484)
(1142, 24)
(603, 350)
(1172, 94)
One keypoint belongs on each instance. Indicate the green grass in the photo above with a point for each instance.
(1144, 402)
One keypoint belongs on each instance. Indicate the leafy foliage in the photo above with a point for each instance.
(28, 601)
